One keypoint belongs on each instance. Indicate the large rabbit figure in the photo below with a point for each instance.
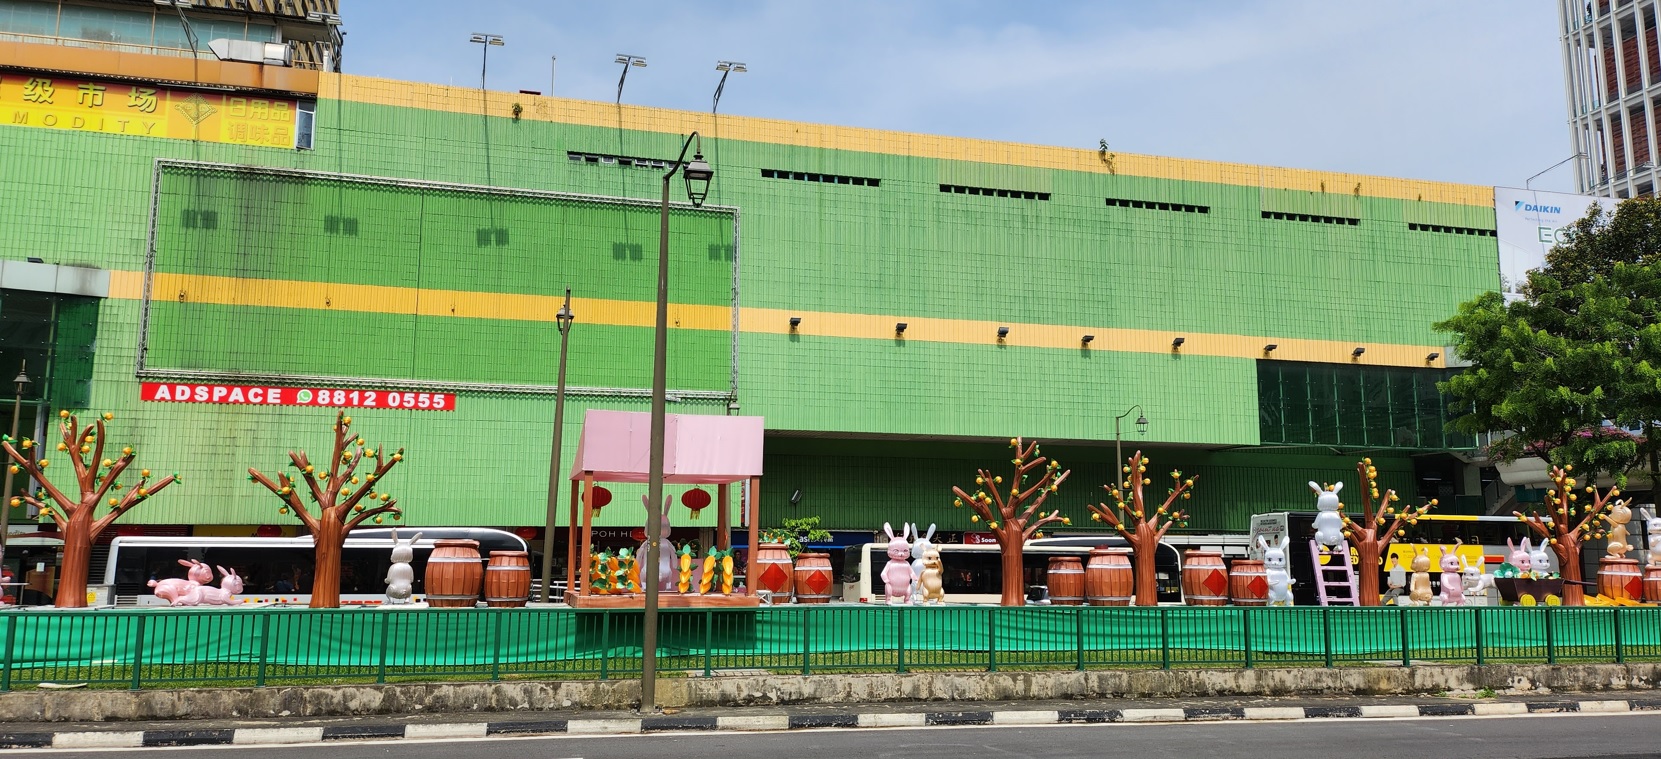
(1540, 559)
(230, 584)
(174, 588)
(1453, 581)
(919, 549)
(1619, 514)
(400, 578)
(896, 575)
(1476, 583)
(1329, 522)
(1418, 588)
(1274, 568)
(1652, 526)
(1519, 558)
(665, 551)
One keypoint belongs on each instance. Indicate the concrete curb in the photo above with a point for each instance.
(268, 736)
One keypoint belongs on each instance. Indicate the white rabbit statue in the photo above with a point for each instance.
(1619, 514)
(919, 548)
(230, 584)
(1329, 522)
(1274, 567)
(1476, 583)
(1540, 558)
(174, 588)
(665, 552)
(1652, 525)
(896, 576)
(400, 578)
(1453, 582)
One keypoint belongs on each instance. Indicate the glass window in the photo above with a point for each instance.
(1357, 406)
(27, 17)
(305, 124)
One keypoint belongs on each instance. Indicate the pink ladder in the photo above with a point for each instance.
(1335, 580)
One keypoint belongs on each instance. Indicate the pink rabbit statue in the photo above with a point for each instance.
(230, 584)
(174, 588)
(1519, 557)
(896, 576)
(1453, 581)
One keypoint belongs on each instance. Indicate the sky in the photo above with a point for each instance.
(1467, 91)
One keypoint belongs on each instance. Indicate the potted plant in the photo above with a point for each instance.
(812, 580)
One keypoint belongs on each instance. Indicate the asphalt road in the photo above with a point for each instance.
(1535, 737)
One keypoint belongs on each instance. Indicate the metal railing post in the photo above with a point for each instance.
(1246, 633)
(1551, 643)
(992, 639)
(1620, 645)
(1326, 633)
(709, 642)
(900, 663)
(1481, 646)
(807, 641)
(386, 630)
(138, 652)
(1164, 638)
(605, 642)
(6, 667)
(265, 643)
(1078, 618)
(1406, 646)
(496, 645)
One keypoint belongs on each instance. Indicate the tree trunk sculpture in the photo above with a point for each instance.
(337, 495)
(1003, 511)
(1143, 530)
(97, 477)
(1367, 538)
(1562, 506)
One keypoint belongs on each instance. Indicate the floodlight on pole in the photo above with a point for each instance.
(486, 40)
(627, 61)
(726, 68)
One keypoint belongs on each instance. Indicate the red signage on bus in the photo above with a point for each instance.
(265, 395)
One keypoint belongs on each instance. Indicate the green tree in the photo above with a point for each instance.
(1581, 347)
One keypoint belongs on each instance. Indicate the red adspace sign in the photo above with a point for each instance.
(265, 395)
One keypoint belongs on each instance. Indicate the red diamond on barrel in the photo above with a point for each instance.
(774, 578)
(1216, 582)
(817, 583)
(1635, 587)
(1258, 586)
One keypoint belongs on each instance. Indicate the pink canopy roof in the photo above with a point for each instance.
(616, 447)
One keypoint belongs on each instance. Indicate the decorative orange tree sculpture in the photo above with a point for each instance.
(1369, 536)
(1003, 511)
(1141, 528)
(338, 495)
(98, 478)
(1562, 506)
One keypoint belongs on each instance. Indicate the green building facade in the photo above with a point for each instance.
(424, 239)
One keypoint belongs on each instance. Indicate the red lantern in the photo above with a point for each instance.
(528, 533)
(696, 500)
(601, 496)
(268, 531)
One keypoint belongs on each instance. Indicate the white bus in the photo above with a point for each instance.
(974, 573)
(278, 570)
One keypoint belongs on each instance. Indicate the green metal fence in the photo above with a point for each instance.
(165, 647)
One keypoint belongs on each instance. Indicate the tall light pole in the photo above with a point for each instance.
(1118, 441)
(627, 61)
(17, 411)
(726, 68)
(564, 319)
(487, 40)
(698, 173)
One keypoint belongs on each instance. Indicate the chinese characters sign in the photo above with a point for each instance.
(55, 102)
(262, 395)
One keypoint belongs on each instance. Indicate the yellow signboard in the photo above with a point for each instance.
(54, 102)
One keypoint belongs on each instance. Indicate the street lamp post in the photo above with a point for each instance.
(698, 173)
(17, 411)
(486, 40)
(564, 319)
(1118, 441)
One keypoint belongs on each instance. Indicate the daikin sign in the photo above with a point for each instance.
(1528, 223)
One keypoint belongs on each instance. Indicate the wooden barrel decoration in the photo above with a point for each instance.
(454, 573)
(1619, 578)
(1204, 579)
(1652, 583)
(1066, 581)
(773, 571)
(1107, 578)
(1248, 584)
(813, 578)
(507, 579)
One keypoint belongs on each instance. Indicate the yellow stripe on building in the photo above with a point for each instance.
(325, 296)
(449, 99)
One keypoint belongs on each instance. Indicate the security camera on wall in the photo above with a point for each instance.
(796, 497)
